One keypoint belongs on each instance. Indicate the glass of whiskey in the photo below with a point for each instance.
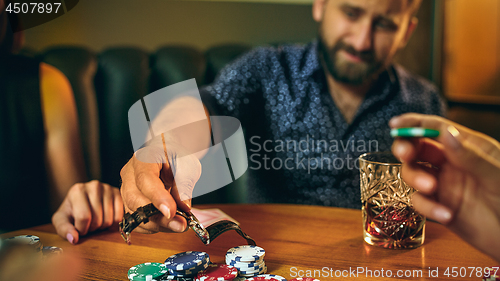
(389, 220)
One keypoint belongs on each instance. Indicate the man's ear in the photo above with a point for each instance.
(318, 9)
(409, 31)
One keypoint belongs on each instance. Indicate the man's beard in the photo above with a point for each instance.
(349, 72)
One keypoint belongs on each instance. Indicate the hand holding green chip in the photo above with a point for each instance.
(462, 190)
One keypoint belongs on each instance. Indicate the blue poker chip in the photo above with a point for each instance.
(188, 273)
(253, 272)
(186, 260)
(246, 253)
(175, 278)
(193, 270)
(244, 264)
(251, 269)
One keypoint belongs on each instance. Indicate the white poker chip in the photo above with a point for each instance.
(31, 240)
(51, 250)
(242, 265)
(246, 253)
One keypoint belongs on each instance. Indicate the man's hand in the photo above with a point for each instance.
(87, 207)
(463, 191)
(149, 178)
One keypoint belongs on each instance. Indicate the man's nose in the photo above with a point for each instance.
(363, 36)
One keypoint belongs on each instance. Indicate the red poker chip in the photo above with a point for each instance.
(218, 272)
(267, 277)
(304, 279)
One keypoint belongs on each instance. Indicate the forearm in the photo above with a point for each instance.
(64, 164)
(184, 121)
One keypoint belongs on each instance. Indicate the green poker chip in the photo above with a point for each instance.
(414, 133)
(147, 271)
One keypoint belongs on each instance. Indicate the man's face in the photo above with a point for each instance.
(359, 38)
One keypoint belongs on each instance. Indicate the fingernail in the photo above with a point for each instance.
(442, 215)
(399, 150)
(176, 226)
(393, 121)
(70, 238)
(165, 211)
(424, 183)
(452, 138)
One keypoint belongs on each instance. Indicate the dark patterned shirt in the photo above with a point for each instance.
(300, 148)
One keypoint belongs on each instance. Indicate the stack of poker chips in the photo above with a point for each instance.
(218, 272)
(186, 264)
(248, 259)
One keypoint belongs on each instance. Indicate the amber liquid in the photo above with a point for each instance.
(393, 226)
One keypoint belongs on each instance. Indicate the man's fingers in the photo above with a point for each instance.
(155, 224)
(418, 149)
(117, 205)
(147, 179)
(187, 173)
(415, 176)
(63, 222)
(431, 209)
(470, 158)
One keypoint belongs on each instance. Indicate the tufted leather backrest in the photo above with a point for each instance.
(106, 85)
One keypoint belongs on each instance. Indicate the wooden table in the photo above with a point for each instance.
(296, 238)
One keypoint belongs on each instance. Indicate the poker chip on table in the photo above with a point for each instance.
(304, 279)
(30, 240)
(218, 272)
(190, 272)
(248, 259)
(246, 253)
(229, 261)
(186, 264)
(51, 250)
(186, 261)
(253, 273)
(267, 277)
(147, 271)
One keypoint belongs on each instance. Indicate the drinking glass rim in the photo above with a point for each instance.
(362, 157)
